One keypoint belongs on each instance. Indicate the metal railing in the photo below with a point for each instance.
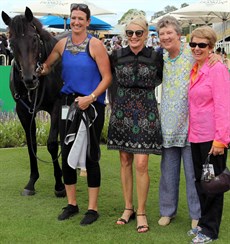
(3, 59)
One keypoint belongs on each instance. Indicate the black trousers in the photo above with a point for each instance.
(211, 205)
(92, 167)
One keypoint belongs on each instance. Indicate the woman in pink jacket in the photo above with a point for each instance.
(209, 127)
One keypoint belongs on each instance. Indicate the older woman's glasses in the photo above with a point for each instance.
(200, 45)
(80, 6)
(138, 33)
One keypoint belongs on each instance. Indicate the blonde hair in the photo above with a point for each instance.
(205, 32)
(142, 22)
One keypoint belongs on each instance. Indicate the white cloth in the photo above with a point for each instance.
(77, 155)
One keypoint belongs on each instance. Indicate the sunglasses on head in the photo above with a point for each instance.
(80, 6)
(138, 33)
(200, 45)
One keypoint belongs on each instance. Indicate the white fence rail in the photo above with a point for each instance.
(226, 46)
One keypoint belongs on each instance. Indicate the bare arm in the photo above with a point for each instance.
(99, 54)
(53, 58)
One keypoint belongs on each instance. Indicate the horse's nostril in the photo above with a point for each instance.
(31, 84)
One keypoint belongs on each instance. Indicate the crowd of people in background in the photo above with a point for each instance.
(116, 42)
(5, 50)
(224, 57)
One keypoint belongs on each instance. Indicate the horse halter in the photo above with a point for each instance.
(39, 62)
(41, 54)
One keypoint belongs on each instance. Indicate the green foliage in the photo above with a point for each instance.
(130, 14)
(106, 126)
(12, 133)
(34, 219)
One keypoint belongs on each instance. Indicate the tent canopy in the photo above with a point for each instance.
(59, 22)
(60, 8)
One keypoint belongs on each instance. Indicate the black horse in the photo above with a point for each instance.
(31, 45)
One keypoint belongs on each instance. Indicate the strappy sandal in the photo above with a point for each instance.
(141, 227)
(131, 217)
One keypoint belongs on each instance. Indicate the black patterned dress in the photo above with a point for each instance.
(134, 125)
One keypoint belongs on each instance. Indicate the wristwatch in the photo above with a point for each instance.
(93, 96)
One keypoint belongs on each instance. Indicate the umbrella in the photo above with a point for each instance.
(60, 8)
(219, 8)
(186, 20)
(152, 28)
(58, 22)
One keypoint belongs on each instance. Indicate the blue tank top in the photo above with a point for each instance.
(79, 70)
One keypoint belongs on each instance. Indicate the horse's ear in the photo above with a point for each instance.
(29, 15)
(6, 18)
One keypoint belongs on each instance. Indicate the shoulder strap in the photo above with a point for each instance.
(87, 46)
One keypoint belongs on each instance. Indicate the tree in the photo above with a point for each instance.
(130, 14)
(166, 10)
(169, 9)
(158, 14)
(184, 5)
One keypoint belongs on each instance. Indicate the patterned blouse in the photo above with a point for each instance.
(174, 102)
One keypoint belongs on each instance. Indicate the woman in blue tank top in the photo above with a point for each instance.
(86, 75)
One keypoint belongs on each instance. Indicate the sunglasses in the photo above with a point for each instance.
(138, 33)
(200, 45)
(80, 6)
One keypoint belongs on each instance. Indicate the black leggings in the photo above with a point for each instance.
(211, 205)
(92, 167)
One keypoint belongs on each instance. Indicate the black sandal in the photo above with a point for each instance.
(131, 217)
(142, 226)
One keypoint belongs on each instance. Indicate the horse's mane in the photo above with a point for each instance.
(20, 26)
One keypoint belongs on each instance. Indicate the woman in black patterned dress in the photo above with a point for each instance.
(134, 127)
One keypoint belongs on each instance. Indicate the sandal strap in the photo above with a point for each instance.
(130, 209)
(141, 214)
(142, 226)
(122, 220)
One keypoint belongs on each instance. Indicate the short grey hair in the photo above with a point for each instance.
(169, 21)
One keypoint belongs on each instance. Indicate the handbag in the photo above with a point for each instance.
(215, 184)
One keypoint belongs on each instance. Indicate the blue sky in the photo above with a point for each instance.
(117, 6)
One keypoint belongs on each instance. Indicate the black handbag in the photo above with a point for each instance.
(215, 184)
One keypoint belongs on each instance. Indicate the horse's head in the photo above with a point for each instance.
(26, 44)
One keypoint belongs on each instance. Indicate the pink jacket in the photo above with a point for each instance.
(209, 105)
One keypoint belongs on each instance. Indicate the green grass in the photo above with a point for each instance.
(34, 219)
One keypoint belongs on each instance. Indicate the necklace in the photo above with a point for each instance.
(175, 59)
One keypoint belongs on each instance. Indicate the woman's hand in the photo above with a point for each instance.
(216, 150)
(84, 102)
(43, 69)
(214, 58)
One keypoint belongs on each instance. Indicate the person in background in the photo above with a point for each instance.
(152, 41)
(178, 62)
(209, 127)
(218, 51)
(117, 44)
(134, 126)
(108, 47)
(86, 74)
(102, 38)
(226, 60)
